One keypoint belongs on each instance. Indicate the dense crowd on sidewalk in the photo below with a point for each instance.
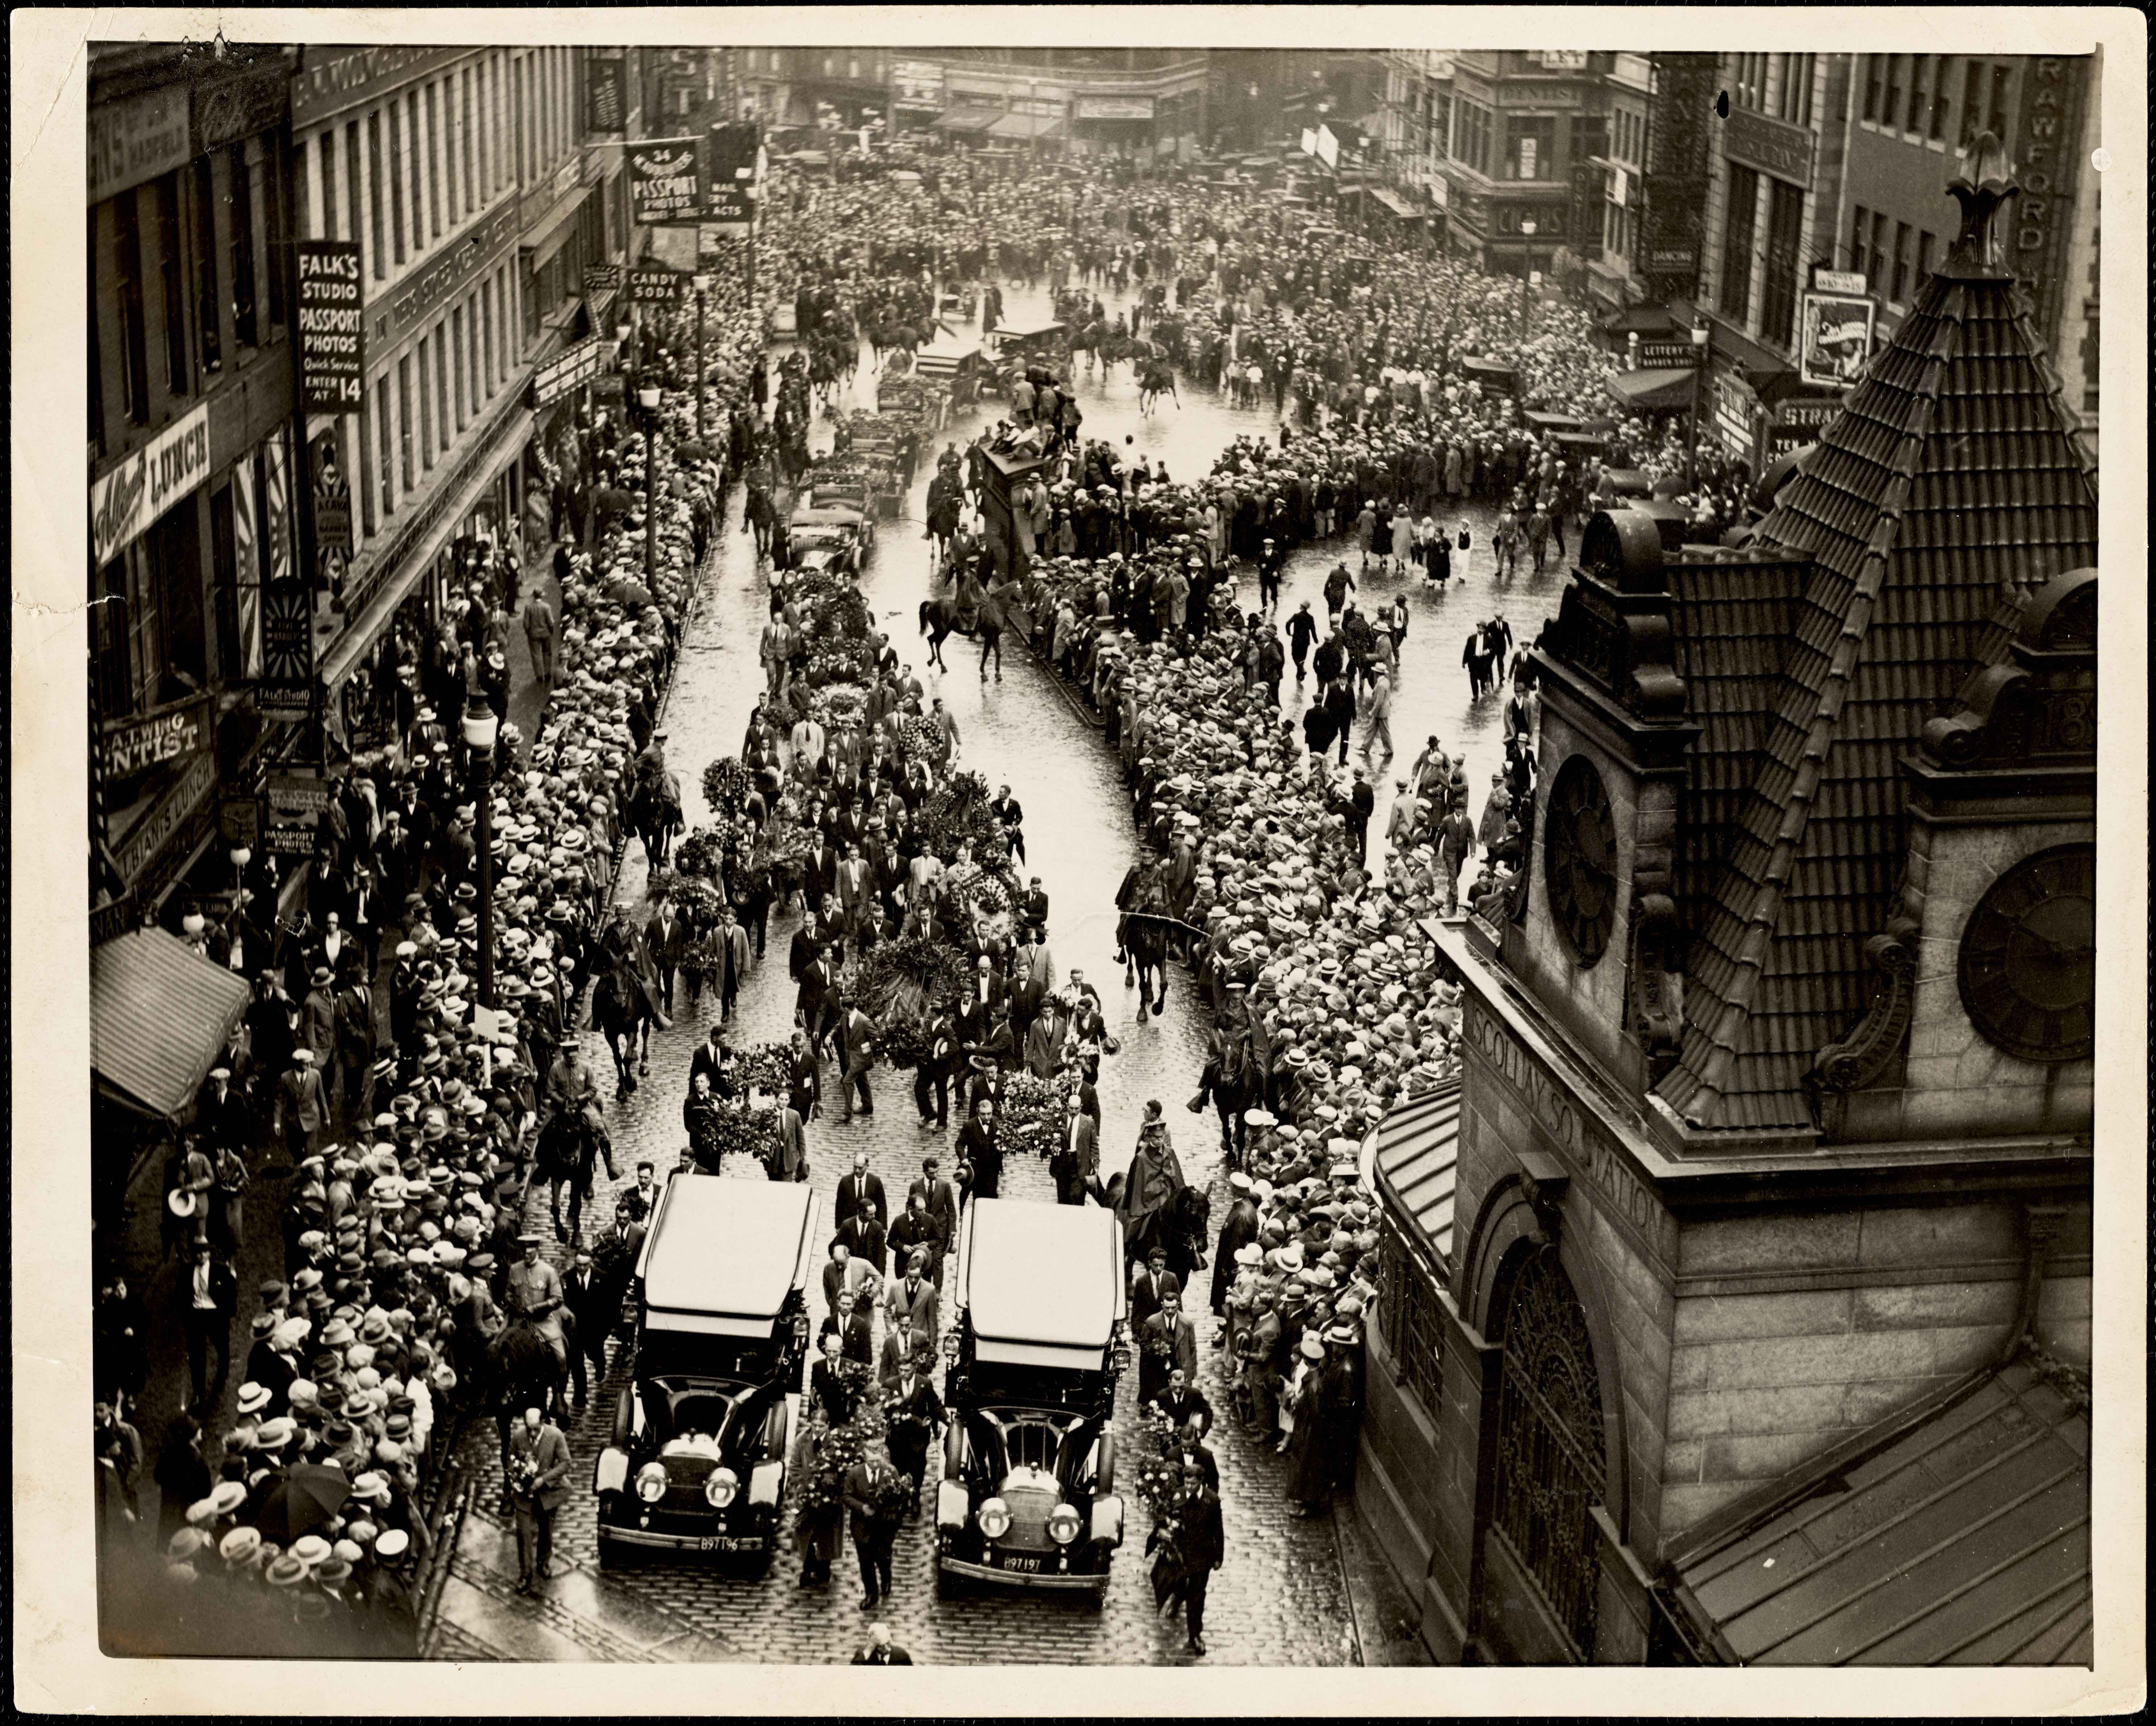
(405, 1158)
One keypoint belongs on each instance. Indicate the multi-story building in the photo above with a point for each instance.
(191, 475)
(1612, 197)
(1837, 163)
(1418, 129)
(1739, 1291)
(466, 179)
(1520, 121)
(831, 87)
(1109, 101)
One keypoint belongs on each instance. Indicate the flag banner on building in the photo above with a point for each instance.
(332, 334)
(247, 567)
(665, 183)
(1833, 339)
(606, 96)
(278, 566)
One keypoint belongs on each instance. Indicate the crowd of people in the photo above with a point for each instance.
(397, 1142)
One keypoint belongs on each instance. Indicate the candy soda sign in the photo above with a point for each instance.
(664, 184)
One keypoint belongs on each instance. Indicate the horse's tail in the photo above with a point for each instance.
(924, 616)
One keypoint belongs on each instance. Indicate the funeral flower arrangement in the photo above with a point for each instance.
(727, 784)
(1031, 1116)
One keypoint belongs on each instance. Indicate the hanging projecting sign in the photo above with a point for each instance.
(663, 183)
(1834, 338)
(606, 96)
(147, 484)
(332, 336)
(1840, 281)
(600, 279)
(568, 370)
(656, 287)
(286, 687)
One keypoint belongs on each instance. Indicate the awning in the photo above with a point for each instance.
(1025, 126)
(1417, 1157)
(360, 635)
(1956, 1532)
(546, 237)
(159, 1015)
(1398, 205)
(1654, 389)
(1643, 320)
(967, 120)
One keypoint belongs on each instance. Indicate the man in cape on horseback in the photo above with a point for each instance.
(1151, 1187)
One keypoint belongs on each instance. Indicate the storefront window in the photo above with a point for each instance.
(134, 337)
(1778, 291)
(171, 254)
(241, 215)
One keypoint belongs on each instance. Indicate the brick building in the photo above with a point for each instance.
(1758, 1227)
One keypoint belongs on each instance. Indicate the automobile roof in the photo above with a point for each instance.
(1042, 1273)
(730, 1246)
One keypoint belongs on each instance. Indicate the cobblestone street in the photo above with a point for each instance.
(1281, 1598)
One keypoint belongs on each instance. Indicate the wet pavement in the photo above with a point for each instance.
(1283, 1597)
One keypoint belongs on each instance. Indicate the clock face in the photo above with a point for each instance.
(2028, 957)
(1579, 859)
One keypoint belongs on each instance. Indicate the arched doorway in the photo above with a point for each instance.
(1540, 1584)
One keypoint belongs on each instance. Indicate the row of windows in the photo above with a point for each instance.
(430, 158)
(1780, 83)
(1912, 93)
(1470, 135)
(1898, 274)
(184, 273)
(1773, 266)
(1628, 136)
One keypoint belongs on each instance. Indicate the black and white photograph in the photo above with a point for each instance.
(1370, 769)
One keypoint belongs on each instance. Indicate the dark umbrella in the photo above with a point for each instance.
(691, 451)
(613, 500)
(303, 1501)
(626, 592)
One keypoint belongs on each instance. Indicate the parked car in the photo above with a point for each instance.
(698, 1459)
(1028, 1497)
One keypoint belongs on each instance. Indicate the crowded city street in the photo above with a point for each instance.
(1039, 894)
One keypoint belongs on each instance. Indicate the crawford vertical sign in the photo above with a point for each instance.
(663, 183)
(332, 338)
(2047, 158)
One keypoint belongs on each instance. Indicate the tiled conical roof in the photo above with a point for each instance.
(1952, 484)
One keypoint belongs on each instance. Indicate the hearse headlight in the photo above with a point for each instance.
(651, 1482)
(995, 1518)
(1064, 1523)
(720, 1487)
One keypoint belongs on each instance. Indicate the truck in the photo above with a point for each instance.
(697, 1461)
(1038, 1340)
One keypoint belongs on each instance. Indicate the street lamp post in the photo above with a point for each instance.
(1701, 336)
(1527, 269)
(647, 398)
(481, 726)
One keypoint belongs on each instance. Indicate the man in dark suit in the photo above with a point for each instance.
(932, 1076)
(916, 1231)
(213, 1299)
(867, 1493)
(1166, 1341)
(584, 1296)
(1185, 1404)
(862, 1190)
(863, 1238)
(539, 1472)
(1202, 1542)
(710, 1058)
(666, 940)
(915, 1415)
(940, 1198)
(1077, 1164)
(1151, 1284)
(882, 1650)
(805, 1084)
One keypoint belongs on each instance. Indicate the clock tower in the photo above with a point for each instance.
(1984, 1016)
